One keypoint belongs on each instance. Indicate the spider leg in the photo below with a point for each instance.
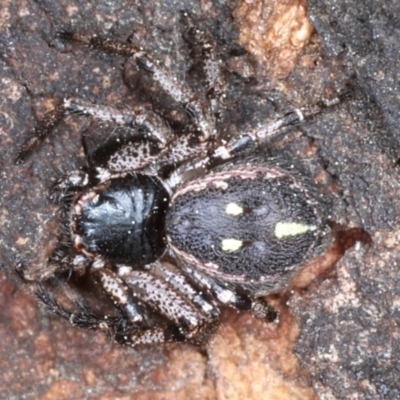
(139, 117)
(182, 94)
(167, 293)
(152, 150)
(189, 322)
(196, 158)
(143, 155)
(118, 328)
(66, 186)
(259, 307)
(137, 296)
(85, 318)
(131, 306)
(42, 130)
(178, 281)
(270, 129)
(207, 55)
(159, 138)
(135, 119)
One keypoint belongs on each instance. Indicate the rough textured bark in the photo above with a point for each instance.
(346, 324)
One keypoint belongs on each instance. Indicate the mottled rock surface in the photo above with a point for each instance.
(344, 328)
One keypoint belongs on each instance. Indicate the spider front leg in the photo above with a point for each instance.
(85, 317)
(65, 187)
(148, 144)
(137, 119)
(182, 94)
(207, 55)
(141, 155)
(40, 133)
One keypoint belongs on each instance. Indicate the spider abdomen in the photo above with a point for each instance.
(245, 222)
(122, 219)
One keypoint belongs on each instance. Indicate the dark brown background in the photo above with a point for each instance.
(344, 330)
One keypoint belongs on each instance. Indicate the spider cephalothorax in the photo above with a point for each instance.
(174, 226)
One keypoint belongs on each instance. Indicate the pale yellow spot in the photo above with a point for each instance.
(230, 245)
(233, 209)
(284, 229)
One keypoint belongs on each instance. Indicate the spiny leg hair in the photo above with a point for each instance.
(206, 54)
(182, 94)
(260, 308)
(137, 295)
(267, 131)
(138, 118)
(179, 149)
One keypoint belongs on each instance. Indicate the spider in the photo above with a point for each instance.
(173, 227)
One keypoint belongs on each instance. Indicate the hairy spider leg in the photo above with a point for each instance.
(182, 94)
(42, 130)
(136, 294)
(159, 146)
(85, 318)
(206, 53)
(69, 184)
(241, 301)
(138, 118)
(266, 131)
(172, 298)
(139, 156)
